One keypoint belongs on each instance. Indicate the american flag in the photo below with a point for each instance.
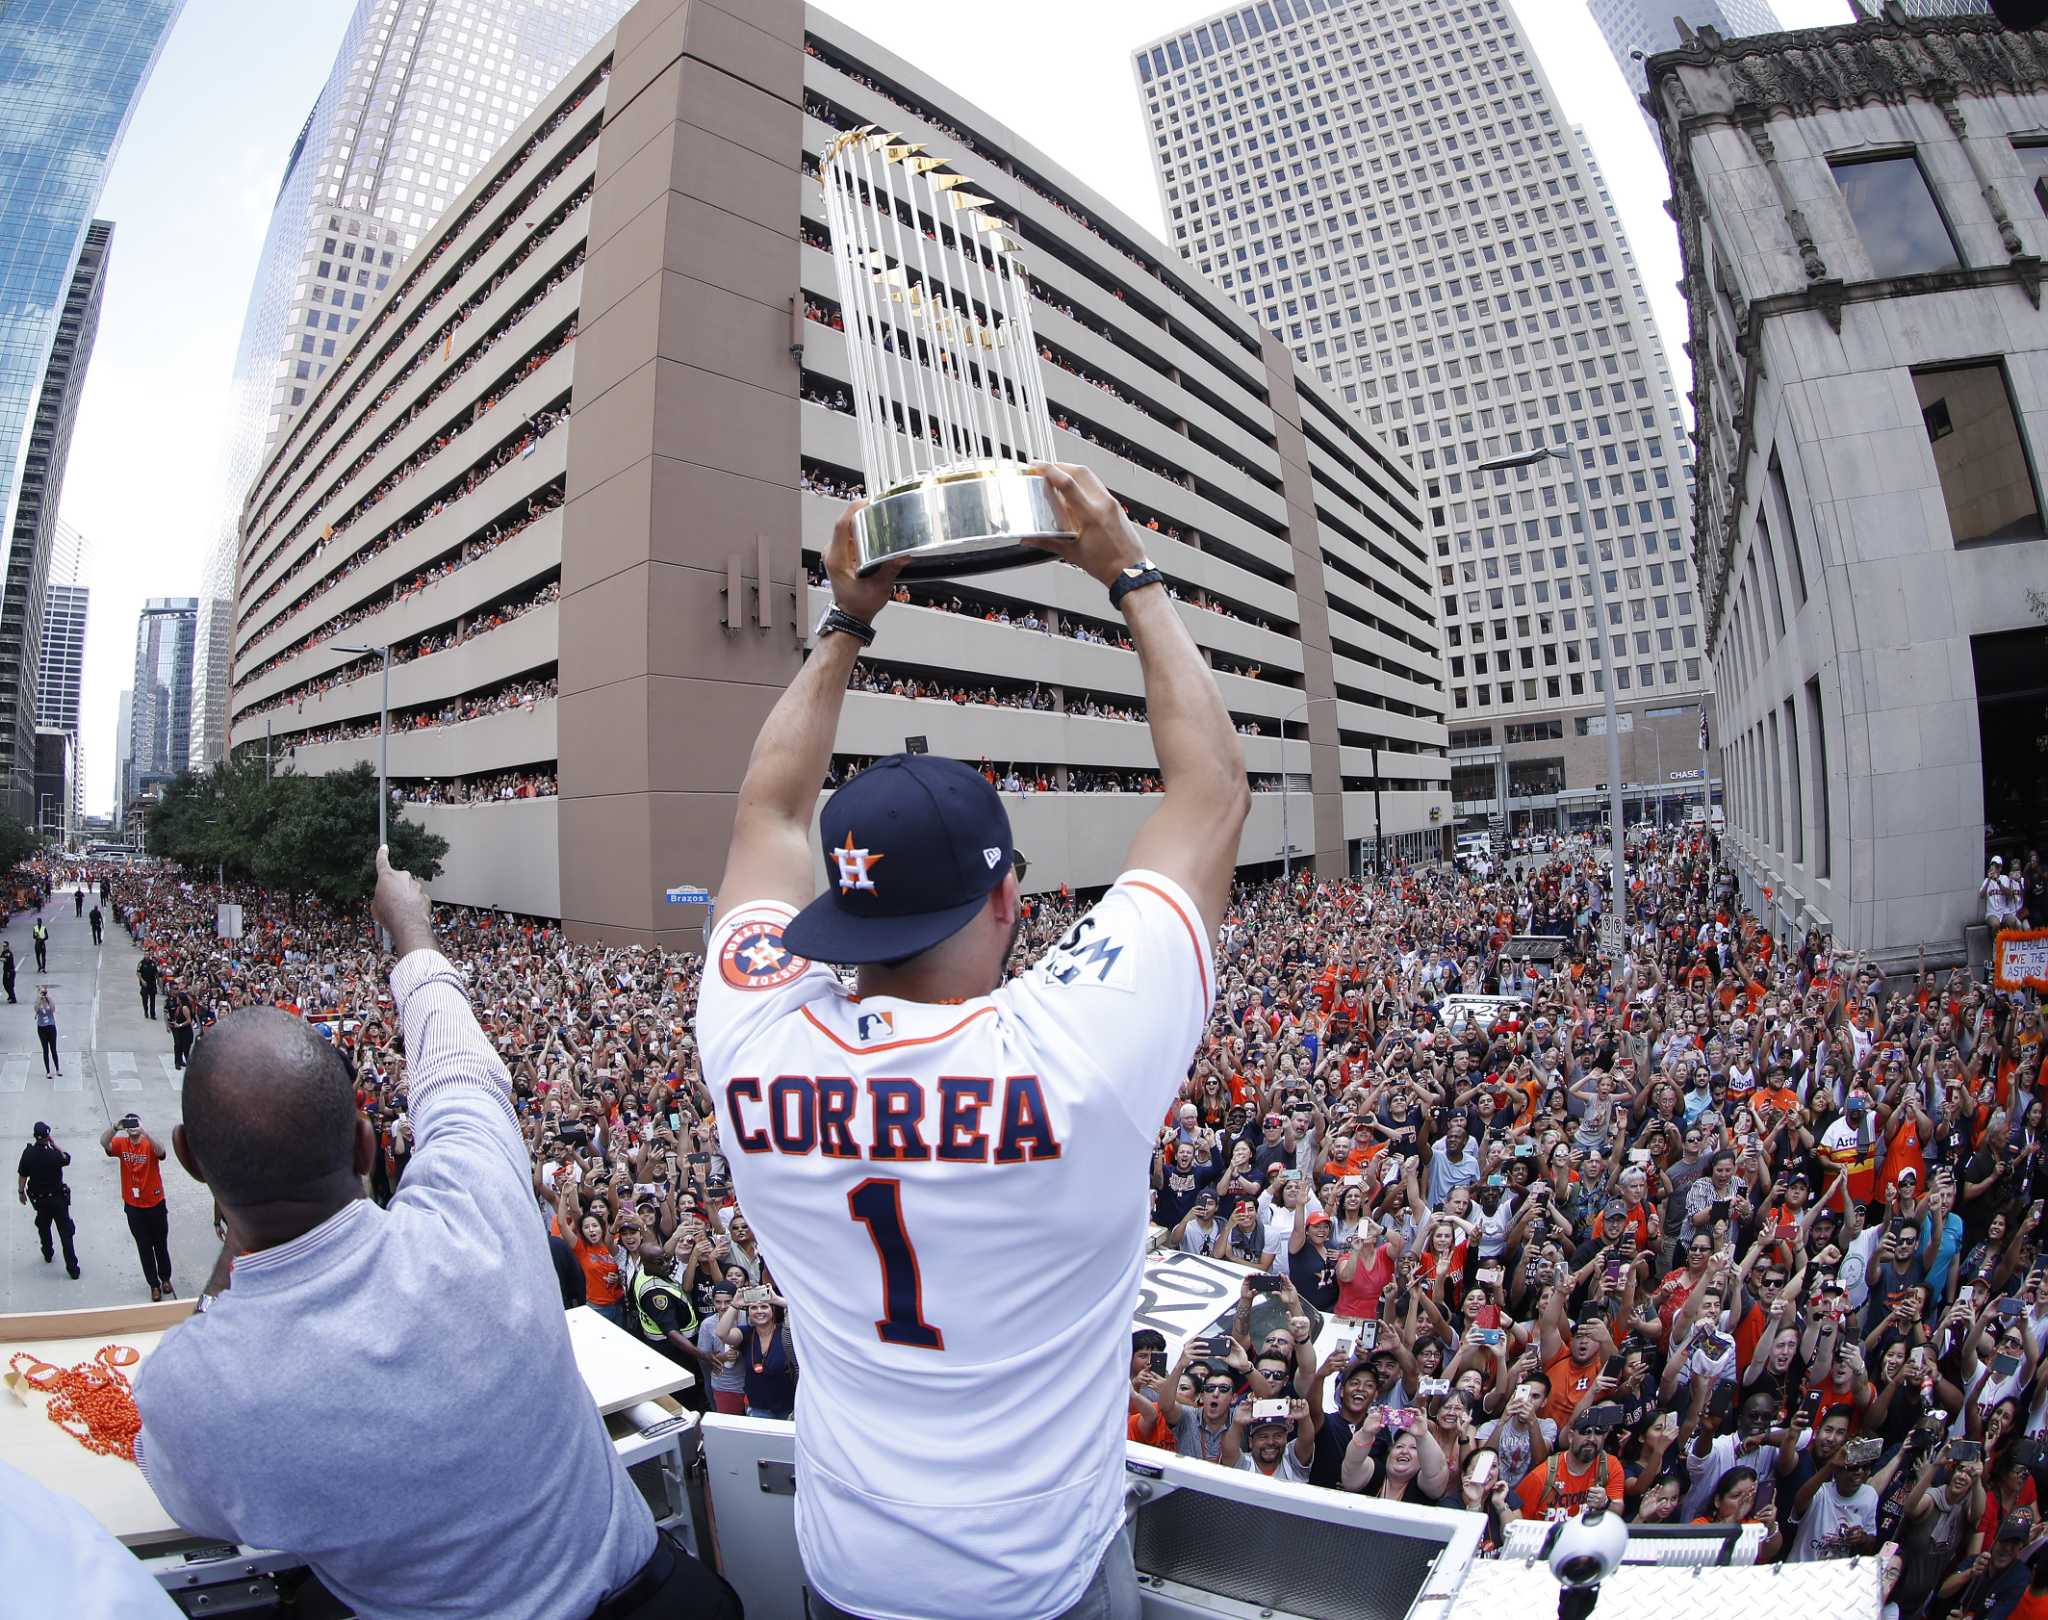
(1705, 745)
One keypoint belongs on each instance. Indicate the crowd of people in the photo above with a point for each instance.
(521, 445)
(450, 493)
(1733, 1230)
(489, 789)
(464, 629)
(522, 695)
(814, 479)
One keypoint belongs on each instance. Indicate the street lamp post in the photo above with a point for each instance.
(1657, 743)
(1286, 837)
(1529, 458)
(383, 737)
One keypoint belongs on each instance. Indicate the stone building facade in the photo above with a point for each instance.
(1862, 212)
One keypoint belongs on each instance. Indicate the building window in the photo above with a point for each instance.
(1781, 499)
(1763, 540)
(2033, 156)
(1986, 480)
(1794, 765)
(1817, 746)
(1774, 766)
(1895, 214)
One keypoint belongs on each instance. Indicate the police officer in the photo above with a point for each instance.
(7, 967)
(98, 919)
(39, 1183)
(662, 1313)
(40, 934)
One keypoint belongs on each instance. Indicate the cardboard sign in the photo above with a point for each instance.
(2019, 959)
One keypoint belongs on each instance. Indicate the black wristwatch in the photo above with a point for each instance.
(1131, 579)
(837, 618)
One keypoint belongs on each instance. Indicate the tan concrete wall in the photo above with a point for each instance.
(683, 450)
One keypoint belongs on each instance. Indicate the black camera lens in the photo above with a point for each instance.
(1583, 1570)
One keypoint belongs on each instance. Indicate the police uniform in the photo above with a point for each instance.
(660, 1307)
(42, 1163)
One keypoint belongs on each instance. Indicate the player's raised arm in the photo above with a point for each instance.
(770, 855)
(1192, 837)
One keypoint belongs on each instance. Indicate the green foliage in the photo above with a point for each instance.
(294, 834)
(17, 843)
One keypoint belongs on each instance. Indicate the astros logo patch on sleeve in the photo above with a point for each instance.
(755, 958)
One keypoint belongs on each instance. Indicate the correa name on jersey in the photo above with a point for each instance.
(955, 1119)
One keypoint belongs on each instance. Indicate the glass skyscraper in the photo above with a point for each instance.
(70, 74)
(160, 710)
(24, 586)
(421, 96)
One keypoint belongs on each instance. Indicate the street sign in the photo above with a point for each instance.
(1610, 936)
(689, 895)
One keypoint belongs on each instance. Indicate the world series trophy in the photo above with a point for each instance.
(939, 346)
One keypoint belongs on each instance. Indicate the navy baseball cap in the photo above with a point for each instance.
(913, 845)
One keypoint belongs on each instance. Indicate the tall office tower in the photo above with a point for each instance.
(1934, 8)
(124, 748)
(1388, 185)
(1636, 29)
(35, 523)
(70, 74)
(160, 720)
(421, 96)
(60, 664)
(1673, 405)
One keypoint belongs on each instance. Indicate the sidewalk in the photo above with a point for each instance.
(115, 1062)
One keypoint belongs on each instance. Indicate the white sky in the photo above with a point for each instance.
(191, 191)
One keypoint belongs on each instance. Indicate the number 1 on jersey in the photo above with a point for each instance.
(877, 1203)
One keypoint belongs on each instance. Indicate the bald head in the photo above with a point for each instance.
(270, 1108)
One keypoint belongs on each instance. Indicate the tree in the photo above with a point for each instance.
(17, 843)
(320, 837)
(211, 821)
(294, 834)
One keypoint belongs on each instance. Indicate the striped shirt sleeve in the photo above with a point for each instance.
(452, 1071)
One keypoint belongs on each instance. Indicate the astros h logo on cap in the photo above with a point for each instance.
(943, 832)
(854, 865)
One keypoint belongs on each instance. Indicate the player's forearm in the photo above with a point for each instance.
(1191, 731)
(794, 749)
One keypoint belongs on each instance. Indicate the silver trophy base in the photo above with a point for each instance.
(965, 522)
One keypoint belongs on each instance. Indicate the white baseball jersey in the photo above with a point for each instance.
(953, 1199)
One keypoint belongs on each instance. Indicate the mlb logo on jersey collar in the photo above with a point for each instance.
(942, 829)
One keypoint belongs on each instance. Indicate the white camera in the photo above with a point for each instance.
(1584, 1549)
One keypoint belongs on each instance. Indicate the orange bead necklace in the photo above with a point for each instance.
(92, 1402)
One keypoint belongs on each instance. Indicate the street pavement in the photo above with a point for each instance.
(115, 1062)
